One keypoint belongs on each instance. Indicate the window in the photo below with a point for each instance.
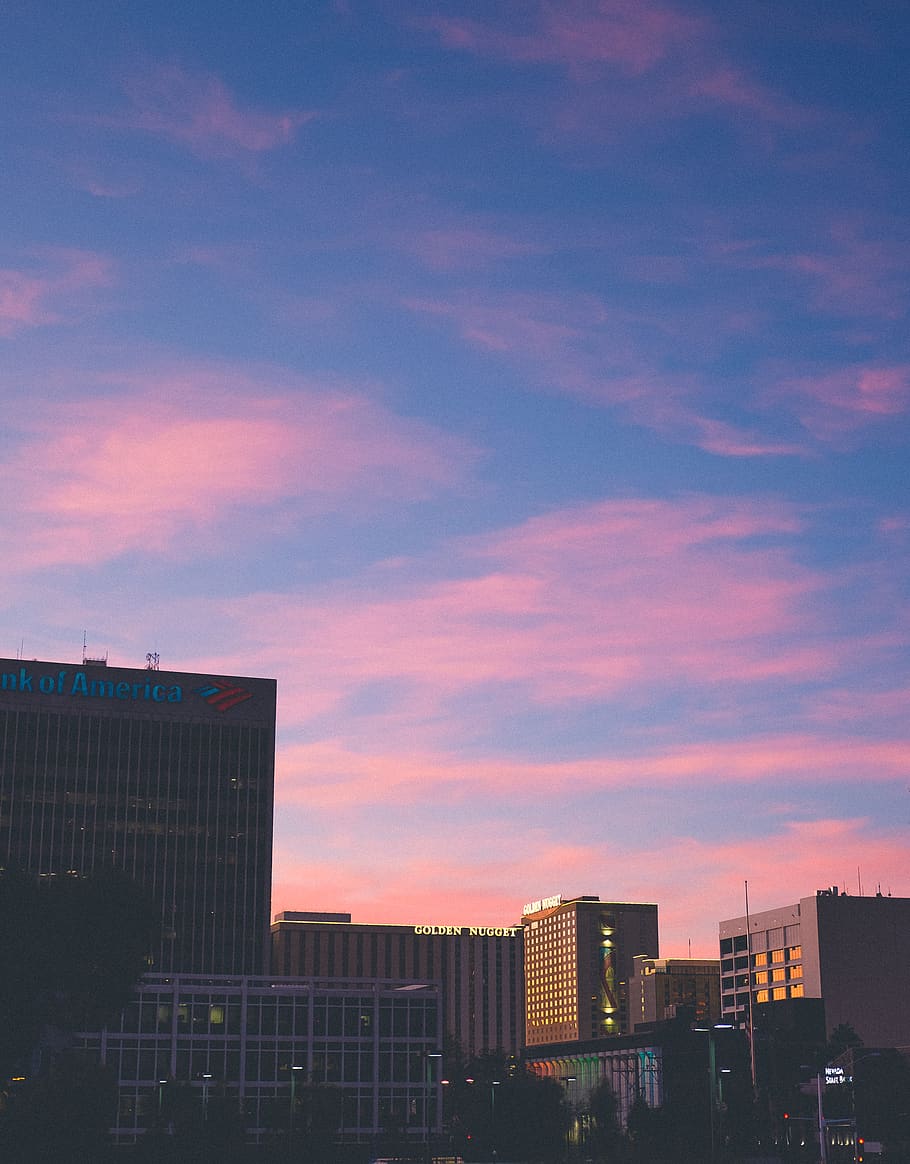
(779, 992)
(796, 971)
(761, 996)
(761, 976)
(797, 990)
(761, 959)
(777, 955)
(778, 974)
(795, 952)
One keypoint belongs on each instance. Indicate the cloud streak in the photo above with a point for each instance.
(200, 113)
(164, 466)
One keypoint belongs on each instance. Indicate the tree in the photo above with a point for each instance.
(603, 1108)
(843, 1038)
(71, 951)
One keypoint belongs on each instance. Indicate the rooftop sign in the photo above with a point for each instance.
(543, 903)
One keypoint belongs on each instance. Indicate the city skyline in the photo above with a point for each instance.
(524, 387)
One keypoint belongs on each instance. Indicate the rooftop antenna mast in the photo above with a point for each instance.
(152, 659)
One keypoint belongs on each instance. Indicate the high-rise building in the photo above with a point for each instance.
(479, 968)
(165, 775)
(662, 988)
(851, 952)
(579, 959)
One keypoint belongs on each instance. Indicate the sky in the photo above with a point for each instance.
(524, 385)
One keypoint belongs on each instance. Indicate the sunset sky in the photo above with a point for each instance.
(524, 385)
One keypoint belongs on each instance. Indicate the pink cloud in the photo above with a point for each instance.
(851, 275)
(634, 35)
(329, 776)
(583, 347)
(465, 248)
(160, 466)
(850, 399)
(590, 603)
(51, 290)
(679, 53)
(694, 883)
(200, 112)
(732, 88)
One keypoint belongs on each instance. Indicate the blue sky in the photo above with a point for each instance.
(525, 386)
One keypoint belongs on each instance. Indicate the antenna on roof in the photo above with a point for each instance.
(97, 661)
(152, 659)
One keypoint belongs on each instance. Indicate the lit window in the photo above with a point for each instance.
(778, 974)
(795, 952)
(761, 996)
(797, 990)
(761, 976)
(779, 992)
(796, 971)
(777, 955)
(761, 959)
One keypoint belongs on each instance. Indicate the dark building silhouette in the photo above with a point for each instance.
(165, 775)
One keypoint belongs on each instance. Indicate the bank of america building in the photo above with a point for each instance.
(169, 776)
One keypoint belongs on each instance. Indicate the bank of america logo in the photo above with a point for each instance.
(222, 695)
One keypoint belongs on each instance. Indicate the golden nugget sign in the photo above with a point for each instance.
(543, 903)
(472, 931)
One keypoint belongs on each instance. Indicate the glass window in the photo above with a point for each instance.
(796, 991)
(778, 974)
(761, 976)
(779, 992)
(761, 996)
(794, 952)
(777, 955)
(761, 959)
(796, 971)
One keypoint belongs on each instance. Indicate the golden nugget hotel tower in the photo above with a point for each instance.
(165, 775)
(579, 958)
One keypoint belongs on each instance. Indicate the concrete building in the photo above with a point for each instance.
(165, 775)
(851, 952)
(662, 988)
(579, 960)
(479, 968)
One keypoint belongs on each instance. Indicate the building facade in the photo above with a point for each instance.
(662, 988)
(165, 775)
(851, 952)
(186, 1040)
(579, 960)
(479, 968)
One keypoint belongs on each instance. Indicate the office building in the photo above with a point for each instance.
(579, 959)
(253, 1041)
(851, 952)
(479, 968)
(662, 988)
(165, 775)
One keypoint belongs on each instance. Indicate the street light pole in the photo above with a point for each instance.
(493, 1085)
(294, 1069)
(431, 1055)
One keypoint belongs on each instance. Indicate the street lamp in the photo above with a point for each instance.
(712, 1076)
(494, 1083)
(205, 1096)
(294, 1069)
(426, 1099)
